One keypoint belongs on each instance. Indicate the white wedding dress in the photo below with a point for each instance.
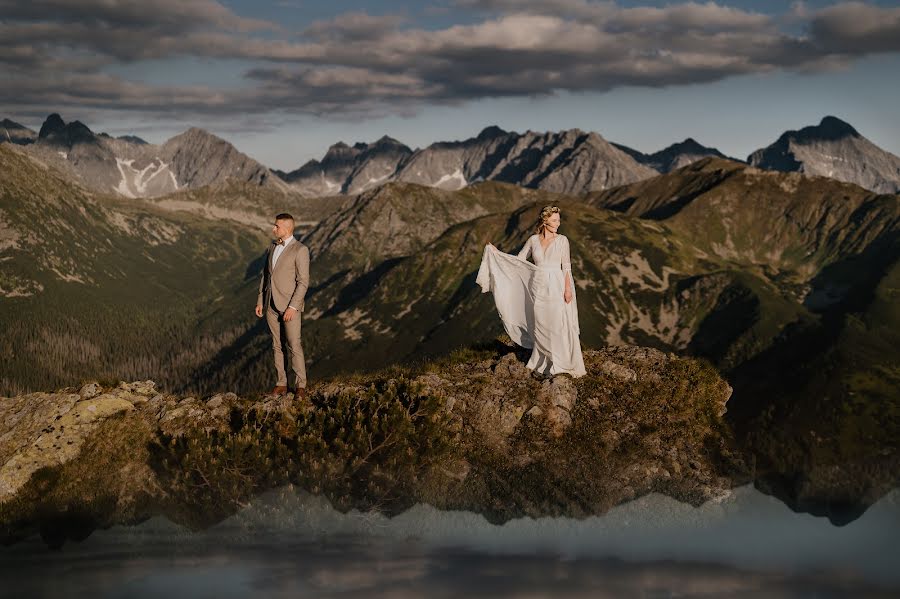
(529, 298)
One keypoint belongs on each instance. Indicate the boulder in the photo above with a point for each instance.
(67, 421)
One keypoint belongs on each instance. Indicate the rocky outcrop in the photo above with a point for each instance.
(49, 430)
(476, 431)
(832, 149)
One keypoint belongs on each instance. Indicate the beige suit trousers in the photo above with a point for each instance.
(289, 334)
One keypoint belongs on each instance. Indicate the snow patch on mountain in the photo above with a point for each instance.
(136, 183)
(451, 182)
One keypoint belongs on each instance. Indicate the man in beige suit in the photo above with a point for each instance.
(282, 286)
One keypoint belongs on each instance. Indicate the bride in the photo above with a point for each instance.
(536, 301)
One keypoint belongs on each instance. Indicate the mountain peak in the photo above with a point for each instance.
(387, 140)
(198, 132)
(832, 127)
(78, 131)
(833, 149)
(16, 133)
(53, 124)
(491, 132)
(56, 130)
(10, 124)
(341, 151)
(689, 144)
(133, 139)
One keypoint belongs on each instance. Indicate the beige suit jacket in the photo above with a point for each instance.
(285, 284)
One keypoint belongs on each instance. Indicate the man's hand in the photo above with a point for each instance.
(258, 310)
(567, 295)
(289, 314)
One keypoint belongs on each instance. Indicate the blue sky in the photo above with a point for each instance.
(283, 80)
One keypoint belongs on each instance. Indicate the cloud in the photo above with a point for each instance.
(53, 53)
(353, 26)
(856, 28)
(172, 15)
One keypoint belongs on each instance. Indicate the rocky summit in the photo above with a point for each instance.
(833, 148)
(475, 431)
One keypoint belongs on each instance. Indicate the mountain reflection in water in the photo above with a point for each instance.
(290, 544)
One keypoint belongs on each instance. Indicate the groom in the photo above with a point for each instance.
(282, 285)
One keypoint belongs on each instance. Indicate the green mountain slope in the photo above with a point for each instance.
(96, 286)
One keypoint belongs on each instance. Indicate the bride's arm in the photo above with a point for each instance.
(526, 249)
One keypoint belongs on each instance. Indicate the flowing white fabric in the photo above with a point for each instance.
(529, 298)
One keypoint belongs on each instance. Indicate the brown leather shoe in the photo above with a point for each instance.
(300, 395)
(279, 390)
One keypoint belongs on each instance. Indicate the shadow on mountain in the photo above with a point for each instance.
(255, 267)
(361, 287)
(818, 409)
(737, 309)
(246, 354)
(312, 291)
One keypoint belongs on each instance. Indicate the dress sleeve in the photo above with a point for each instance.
(566, 258)
(526, 250)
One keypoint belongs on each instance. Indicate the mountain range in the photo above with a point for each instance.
(575, 161)
(570, 161)
(131, 167)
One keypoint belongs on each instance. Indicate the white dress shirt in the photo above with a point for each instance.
(280, 248)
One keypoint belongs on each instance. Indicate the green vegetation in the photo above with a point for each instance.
(376, 446)
(114, 288)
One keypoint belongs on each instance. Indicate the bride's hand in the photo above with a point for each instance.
(567, 295)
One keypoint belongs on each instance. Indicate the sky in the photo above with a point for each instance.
(285, 79)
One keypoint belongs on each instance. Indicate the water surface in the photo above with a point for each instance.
(290, 544)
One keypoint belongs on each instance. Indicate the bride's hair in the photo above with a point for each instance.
(546, 213)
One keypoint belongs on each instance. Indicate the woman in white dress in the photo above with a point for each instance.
(536, 301)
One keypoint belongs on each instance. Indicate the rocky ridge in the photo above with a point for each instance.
(349, 170)
(130, 167)
(474, 432)
(572, 161)
(674, 156)
(13, 132)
